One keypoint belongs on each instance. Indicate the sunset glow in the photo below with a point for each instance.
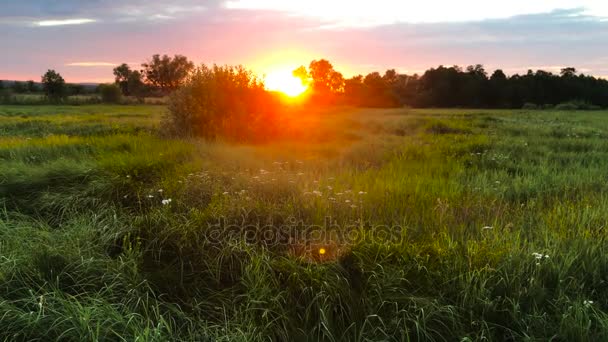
(283, 81)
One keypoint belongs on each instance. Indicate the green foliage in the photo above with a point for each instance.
(54, 86)
(110, 93)
(167, 73)
(222, 102)
(464, 225)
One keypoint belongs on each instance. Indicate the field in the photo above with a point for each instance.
(361, 225)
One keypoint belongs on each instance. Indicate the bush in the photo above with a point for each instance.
(567, 106)
(110, 93)
(223, 102)
(530, 106)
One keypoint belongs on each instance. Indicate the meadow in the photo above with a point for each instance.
(356, 225)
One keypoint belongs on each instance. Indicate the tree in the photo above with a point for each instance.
(31, 86)
(568, 72)
(1, 85)
(53, 85)
(325, 80)
(121, 76)
(167, 73)
(302, 74)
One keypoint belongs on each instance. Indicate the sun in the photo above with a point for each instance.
(283, 81)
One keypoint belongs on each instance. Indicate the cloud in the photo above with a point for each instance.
(54, 13)
(360, 13)
(63, 22)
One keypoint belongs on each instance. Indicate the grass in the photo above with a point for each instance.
(436, 225)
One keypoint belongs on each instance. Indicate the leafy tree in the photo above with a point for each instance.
(1, 85)
(31, 86)
(302, 74)
(53, 85)
(167, 73)
(130, 81)
(568, 72)
(121, 76)
(325, 80)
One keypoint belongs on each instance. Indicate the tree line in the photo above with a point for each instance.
(470, 87)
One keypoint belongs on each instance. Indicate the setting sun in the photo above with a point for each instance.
(284, 82)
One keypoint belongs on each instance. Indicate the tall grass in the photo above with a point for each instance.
(433, 225)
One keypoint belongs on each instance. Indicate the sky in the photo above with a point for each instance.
(85, 39)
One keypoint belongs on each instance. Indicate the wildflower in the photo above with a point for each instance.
(487, 227)
(322, 251)
(329, 188)
(160, 190)
(347, 201)
(339, 194)
(128, 176)
(125, 196)
(226, 193)
(362, 193)
(300, 174)
(317, 193)
(150, 196)
(540, 256)
(332, 199)
(587, 303)
(166, 201)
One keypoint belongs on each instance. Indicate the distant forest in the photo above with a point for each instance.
(473, 87)
(442, 87)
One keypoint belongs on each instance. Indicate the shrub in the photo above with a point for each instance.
(110, 93)
(223, 102)
(577, 105)
(529, 106)
(567, 106)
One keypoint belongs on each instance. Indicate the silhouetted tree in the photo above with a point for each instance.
(53, 85)
(167, 73)
(31, 86)
(325, 81)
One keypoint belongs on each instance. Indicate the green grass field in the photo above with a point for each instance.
(362, 225)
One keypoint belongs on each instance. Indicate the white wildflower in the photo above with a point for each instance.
(166, 201)
(587, 303)
(150, 196)
(487, 227)
(225, 193)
